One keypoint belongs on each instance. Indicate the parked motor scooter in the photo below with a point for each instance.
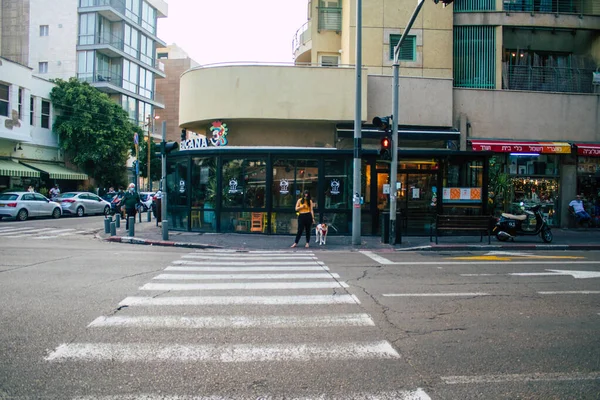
(531, 223)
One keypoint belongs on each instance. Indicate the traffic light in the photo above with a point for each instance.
(385, 150)
(382, 123)
(183, 134)
(166, 148)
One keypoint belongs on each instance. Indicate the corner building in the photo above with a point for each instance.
(469, 109)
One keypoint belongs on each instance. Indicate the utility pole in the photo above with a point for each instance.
(356, 189)
(150, 125)
(163, 197)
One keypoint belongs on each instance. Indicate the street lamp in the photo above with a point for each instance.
(150, 125)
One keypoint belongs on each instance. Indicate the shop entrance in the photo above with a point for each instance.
(417, 197)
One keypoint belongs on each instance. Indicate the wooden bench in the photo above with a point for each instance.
(477, 223)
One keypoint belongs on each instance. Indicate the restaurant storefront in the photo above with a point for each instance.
(254, 189)
(588, 178)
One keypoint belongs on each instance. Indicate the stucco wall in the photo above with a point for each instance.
(422, 101)
(529, 115)
(268, 93)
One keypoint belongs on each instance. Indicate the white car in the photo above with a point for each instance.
(83, 203)
(23, 205)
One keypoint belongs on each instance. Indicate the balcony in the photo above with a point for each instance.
(580, 7)
(547, 79)
(112, 83)
(301, 38)
(104, 7)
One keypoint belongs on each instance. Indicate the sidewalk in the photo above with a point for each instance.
(147, 233)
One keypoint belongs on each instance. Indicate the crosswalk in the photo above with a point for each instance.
(218, 294)
(30, 232)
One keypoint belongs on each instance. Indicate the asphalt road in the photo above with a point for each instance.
(84, 319)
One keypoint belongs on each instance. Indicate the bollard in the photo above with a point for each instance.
(131, 226)
(113, 228)
(106, 225)
(140, 217)
(165, 229)
(118, 220)
(149, 216)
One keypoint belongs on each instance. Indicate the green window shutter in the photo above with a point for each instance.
(408, 51)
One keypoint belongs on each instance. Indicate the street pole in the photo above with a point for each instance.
(356, 189)
(395, 121)
(149, 143)
(163, 198)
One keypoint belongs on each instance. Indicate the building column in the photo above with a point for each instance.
(567, 187)
(464, 132)
(13, 100)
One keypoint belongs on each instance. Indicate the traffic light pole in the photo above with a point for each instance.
(395, 120)
(163, 188)
(356, 171)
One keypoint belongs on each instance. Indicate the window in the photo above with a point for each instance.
(43, 30)
(45, 114)
(292, 177)
(132, 10)
(146, 83)
(85, 65)
(148, 18)
(43, 67)
(131, 41)
(4, 100)
(147, 50)
(408, 51)
(163, 56)
(244, 183)
(31, 110)
(129, 105)
(87, 26)
(329, 61)
(21, 94)
(130, 76)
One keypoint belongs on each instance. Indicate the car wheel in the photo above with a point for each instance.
(80, 211)
(22, 215)
(107, 210)
(56, 213)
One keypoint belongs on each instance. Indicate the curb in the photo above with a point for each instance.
(546, 247)
(133, 240)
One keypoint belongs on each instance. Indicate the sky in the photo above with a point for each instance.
(217, 31)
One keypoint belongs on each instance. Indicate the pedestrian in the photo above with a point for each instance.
(54, 192)
(306, 217)
(30, 189)
(130, 202)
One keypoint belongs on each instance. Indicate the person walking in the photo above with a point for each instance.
(306, 217)
(130, 201)
(54, 192)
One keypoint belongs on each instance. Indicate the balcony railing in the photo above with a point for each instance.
(581, 7)
(330, 19)
(547, 79)
(301, 37)
(118, 5)
(101, 76)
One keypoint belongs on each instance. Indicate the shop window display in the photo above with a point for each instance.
(588, 185)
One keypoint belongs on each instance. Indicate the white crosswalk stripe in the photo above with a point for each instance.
(287, 291)
(38, 233)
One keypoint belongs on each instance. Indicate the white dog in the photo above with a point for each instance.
(321, 234)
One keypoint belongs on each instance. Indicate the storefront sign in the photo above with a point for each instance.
(193, 144)
(588, 149)
(457, 194)
(233, 186)
(521, 147)
(283, 186)
(182, 186)
(335, 187)
(219, 132)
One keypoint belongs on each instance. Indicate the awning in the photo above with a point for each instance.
(499, 146)
(588, 149)
(58, 171)
(10, 168)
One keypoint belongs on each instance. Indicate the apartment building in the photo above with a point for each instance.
(486, 86)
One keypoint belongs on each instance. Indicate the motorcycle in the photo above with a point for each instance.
(531, 223)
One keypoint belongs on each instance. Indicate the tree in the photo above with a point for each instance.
(95, 132)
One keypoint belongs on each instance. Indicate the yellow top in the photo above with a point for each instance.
(303, 208)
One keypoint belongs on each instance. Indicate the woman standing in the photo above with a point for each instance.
(306, 217)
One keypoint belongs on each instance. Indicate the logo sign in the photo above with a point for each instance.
(233, 186)
(193, 144)
(335, 187)
(219, 132)
(283, 186)
(182, 186)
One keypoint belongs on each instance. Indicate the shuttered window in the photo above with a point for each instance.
(408, 51)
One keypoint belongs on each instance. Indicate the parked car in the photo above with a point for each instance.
(23, 205)
(83, 203)
(145, 201)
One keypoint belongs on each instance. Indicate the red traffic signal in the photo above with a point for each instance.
(385, 151)
(386, 143)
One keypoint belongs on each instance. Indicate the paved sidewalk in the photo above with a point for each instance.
(147, 233)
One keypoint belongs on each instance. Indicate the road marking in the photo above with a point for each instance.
(245, 276)
(506, 258)
(240, 300)
(60, 235)
(533, 377)
(379, 259)
(136, 352)
(552, 272)
(242, 321)
(290, 263)
(20, 228)
(463, 263)
(216, 262)
(21, 231)
(240, 269)
(418, 394)
(573, 292)
(243, 286)
(28, 233)
(249, 257)
(435, 294)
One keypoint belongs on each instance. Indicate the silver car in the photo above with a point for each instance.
(23, 205)
(82, 203)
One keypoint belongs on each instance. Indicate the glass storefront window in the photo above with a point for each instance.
(290, 178)
(533, 164)
(250, 222)
(462, 191)
(203, 194)
(244, 182)
(177, 189)
(338, 184)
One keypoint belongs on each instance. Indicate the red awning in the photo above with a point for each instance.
(499, 146)
(588, 149)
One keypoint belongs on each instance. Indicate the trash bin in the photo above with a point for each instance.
(384, 223)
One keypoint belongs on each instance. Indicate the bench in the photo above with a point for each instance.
(477, 223)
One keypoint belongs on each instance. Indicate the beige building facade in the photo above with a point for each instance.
(512, 82)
